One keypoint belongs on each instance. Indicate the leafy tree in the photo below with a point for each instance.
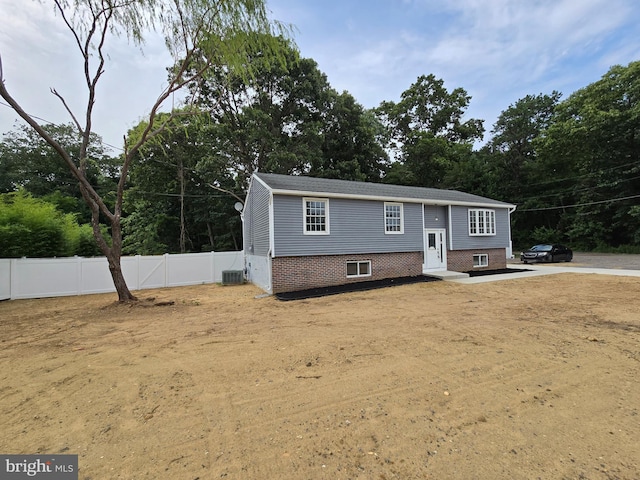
(29, 162)
(427, 132)
(203, 33)
(512, 143)
(350, 148)
(473, 174)
(175, 200)
(269, 121)
(286, 118)
(518, 174)
(594, 140)
(282, 118)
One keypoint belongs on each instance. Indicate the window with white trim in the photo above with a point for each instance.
(393, 218)
(480, 260)
(316, 216)
(482, 222)
(359, 269)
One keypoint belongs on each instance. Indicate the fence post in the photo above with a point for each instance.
(138, 283)
(213, 267)
(13, 277)
(78, 274)
(165, 259)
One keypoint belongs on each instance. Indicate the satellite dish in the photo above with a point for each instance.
(238, 206)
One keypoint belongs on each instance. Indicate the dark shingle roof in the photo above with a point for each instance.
(344, 188)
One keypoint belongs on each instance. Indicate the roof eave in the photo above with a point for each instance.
(428, 201)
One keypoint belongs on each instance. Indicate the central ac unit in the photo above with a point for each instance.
(232, 277)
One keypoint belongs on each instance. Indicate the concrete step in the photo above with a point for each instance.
(447, 275)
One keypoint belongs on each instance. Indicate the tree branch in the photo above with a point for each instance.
(87, 190)
(175, 85)
(226, 191)
(68, 24)
(73, 117)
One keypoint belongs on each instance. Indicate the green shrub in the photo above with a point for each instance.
(31, 227)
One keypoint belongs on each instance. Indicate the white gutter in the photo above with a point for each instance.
(423, 201)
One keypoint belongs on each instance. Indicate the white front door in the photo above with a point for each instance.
(435, 252)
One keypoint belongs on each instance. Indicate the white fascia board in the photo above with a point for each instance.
(271, 251)
(255, 177)
(424, 201)
(246, 197)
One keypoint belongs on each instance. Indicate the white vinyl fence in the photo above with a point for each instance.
(55, 277)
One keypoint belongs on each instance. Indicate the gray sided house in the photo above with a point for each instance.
(303, 232)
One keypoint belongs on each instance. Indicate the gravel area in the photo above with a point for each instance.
(596, 260)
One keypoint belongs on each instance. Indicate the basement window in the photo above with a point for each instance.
(480, 260)
(359, 269)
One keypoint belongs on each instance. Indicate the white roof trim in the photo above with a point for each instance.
(261, 181)
(425, 201)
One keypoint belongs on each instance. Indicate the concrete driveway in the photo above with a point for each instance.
(598, 263)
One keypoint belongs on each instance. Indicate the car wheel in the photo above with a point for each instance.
(550, 259)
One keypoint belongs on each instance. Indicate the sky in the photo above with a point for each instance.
(499, 51)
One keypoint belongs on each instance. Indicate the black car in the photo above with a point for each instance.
(547, 253)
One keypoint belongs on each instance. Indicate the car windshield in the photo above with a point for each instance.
(541, 248)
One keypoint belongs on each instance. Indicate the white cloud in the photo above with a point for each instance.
(500, 51)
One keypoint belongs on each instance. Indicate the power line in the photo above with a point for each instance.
(579, 204)
(589, 174)
(58, 125)
(189, 195)
(569, 192)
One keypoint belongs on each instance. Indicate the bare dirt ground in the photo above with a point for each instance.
(516, 379)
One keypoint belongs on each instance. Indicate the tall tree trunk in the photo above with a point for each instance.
(124, 294)
(211, 237)
(114, 256)
(233, 236)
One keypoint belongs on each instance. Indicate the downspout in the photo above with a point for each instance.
(244, 246)
(510, 248)
(424, 241)
(450, 232)
(272, 251)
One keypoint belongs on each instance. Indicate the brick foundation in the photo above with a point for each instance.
(300, 273)
(462, 260)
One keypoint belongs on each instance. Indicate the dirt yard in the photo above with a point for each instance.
(516, 379)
